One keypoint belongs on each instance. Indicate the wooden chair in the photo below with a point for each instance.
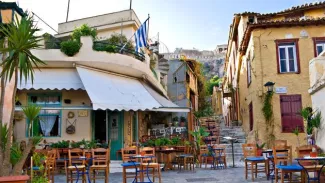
(61, 160)
(50, 164)
(127, 164)
(101, 159)
(187, 160)
(283, 163)
(203, 156)
(252, 161)
(222, 154)
(154, 166)
(76, 165)
(280, 143)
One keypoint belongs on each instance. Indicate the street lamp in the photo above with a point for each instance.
(8, 11)
(269, 86)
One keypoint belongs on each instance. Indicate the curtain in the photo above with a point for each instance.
(47, 123)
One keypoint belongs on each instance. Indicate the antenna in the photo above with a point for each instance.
(66, 20)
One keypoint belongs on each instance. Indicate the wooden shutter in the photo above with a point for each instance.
(290, 107)
(251, 118)
(296, 107)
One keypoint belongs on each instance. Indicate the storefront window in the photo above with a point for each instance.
(48, 122)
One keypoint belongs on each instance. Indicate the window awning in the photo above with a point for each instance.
(56, 78)
(116, 92)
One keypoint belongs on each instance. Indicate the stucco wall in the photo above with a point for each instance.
(264, 69)
(319, 104)
(83, 124)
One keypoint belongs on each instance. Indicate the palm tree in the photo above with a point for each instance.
(21, 38)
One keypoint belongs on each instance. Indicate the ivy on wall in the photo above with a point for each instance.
(267, 110)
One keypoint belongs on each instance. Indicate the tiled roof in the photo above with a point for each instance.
(277, 23)
(295, 8)
(289, 10)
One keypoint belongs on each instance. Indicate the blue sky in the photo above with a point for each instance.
(200, 24)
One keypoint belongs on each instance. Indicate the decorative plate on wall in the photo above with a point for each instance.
(70, 114)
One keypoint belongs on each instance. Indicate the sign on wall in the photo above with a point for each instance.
(280, 89)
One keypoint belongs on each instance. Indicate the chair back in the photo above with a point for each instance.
(204, 149)
(223, 147)
(249, 150)
(101, 156)
(128, 152)
(282, 155)
(305, 150)
(280, 143)
(74, 156)
(149, 151)
(51, 158)
(188, 150)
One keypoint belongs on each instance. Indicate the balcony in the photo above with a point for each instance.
(90, 55)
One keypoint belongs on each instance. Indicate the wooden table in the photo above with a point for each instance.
(168, 161)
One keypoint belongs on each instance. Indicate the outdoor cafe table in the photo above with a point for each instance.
(316, 168)
(141, 171)
(168, 161)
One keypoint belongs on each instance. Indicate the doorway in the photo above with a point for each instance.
(100, 125)
(108, 127)
(115, 132)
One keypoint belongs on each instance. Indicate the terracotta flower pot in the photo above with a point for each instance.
(14, 179)
(259, 152)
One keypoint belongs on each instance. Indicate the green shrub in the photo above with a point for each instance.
(83, 30)
(110, 49)
(70, 47)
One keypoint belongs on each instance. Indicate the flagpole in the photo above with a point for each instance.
(132, 37)
(148, 26)
(66, 20)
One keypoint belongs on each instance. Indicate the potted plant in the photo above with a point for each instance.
(158, 143)
(175, 120)
(259, 148)
(183, 121)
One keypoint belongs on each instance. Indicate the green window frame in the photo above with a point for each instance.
(44, 112)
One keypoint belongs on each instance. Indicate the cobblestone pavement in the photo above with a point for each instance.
(230, 175)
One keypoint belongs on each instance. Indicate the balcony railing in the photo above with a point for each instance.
(103, 45)
(53, 43)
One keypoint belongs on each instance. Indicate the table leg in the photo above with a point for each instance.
(232, 152)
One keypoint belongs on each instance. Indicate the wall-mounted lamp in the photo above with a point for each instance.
(270, 86)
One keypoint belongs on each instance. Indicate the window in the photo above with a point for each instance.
(249, 73)
(319, 45)
(287, 56)
(48, 122)
(251, 117)
(251, 19)
(290, 117)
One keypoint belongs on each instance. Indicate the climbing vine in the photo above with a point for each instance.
(268, 116)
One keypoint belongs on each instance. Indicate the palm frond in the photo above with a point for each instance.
(21, 36)
(31, 111)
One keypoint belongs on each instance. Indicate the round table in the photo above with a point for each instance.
(168, 161)
(316, 167)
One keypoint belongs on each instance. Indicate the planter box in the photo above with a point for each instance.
(14, 179)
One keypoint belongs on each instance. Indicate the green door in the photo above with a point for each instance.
(115, 132)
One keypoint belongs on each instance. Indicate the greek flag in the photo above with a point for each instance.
(141, 37)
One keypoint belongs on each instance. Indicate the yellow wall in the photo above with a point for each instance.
(264, 68)
(83, 124)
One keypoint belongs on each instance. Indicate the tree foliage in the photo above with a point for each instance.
(214, 81)
(21, 39)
